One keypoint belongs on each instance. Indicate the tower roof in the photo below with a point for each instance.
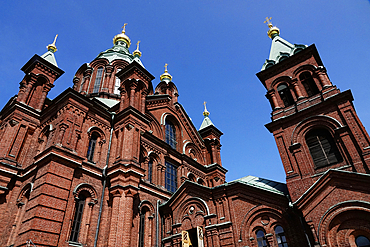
(49, 55)
(206, 121)
(280, 48)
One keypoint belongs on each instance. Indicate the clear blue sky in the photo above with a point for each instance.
(213, 48)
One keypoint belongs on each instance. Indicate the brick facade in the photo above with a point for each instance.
(114, 161)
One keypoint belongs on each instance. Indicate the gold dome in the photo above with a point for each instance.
(122, 36)
(166, 75)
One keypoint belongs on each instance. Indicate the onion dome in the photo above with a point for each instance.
(137, 53)
(123, 37)
(166, 76)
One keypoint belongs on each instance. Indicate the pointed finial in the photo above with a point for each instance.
(273, 31)
(52, 46)
(137, 52)
(205, 113)
(165, 76)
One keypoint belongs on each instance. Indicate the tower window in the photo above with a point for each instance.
(362, 241)
(322, 148)
(142, 229)
(79, 208)
(170, 134)
(150, 170)
(280, 237)
(99, 75)
(309, 84)
(261, 239)
(285, 95)
(171, 177)
(92, 146)
(117, 84)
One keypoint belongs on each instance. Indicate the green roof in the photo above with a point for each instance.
(49, 56)
(262, 183)
(206, 122)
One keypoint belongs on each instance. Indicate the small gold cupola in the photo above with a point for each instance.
(205, 113)
(137, 52)
(273, 30)
(166, 76)
(51, 47)
(122, 37)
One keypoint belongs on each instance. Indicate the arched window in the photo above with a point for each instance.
(261, 239)
(309, 84)
(117, 84)
(285, 95)
(150, 170)
(171, 177)
(99, 75)
(362, 241)
(92, 146)
(322, 148)
(280, 237)
(79, 208)
(170, 134)
(142, 228)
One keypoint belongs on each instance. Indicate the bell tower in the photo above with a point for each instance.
(315, 125)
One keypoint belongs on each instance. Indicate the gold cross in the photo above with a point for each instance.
(137, 45)
(268, 21)
(165, 67)
(204, 104)
(124, 28)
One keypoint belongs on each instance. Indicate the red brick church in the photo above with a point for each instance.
(114, 161)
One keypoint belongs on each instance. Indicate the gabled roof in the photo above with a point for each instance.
(262, 183)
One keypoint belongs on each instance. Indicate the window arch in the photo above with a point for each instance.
(285, 95)
(92, 146)
(98, 78)
(322, 148)
(170, 134)
(150, 170)
(77, 219)
(308, 83)
(261, 239)
(280, 237)
(362, 241)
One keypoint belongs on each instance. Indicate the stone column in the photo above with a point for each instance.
(114, 219)
(128, 214)
(272, 96)
(132, 92)
(86, 80)
(296, 89)
(321, 72)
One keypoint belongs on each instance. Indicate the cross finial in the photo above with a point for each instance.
(137, 45)
(165, 67)
(124, 28)
(52, 46)
(268, 21)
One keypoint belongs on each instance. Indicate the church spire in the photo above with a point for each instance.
(49, 55)
(273, 30)
(206, 121)
(137, 52)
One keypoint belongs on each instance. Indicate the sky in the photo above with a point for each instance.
(213, 50)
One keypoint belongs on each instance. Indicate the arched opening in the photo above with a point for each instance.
(117, 83)
(322, 148)
(98, 78)
(150, 170)
(362, 241)
(309, 83)
(280, 237)
(261, 239)
(92, 146)
(77, 219)
(171, 177)
(285, 95)
(170, 134)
